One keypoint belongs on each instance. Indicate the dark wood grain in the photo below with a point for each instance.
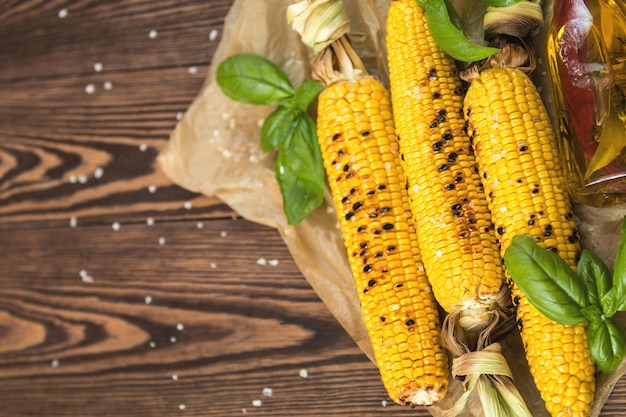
(73, 346)
(180, 317)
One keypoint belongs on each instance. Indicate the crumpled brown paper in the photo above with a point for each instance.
(215, 150)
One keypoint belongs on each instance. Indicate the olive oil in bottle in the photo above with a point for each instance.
(586, 54)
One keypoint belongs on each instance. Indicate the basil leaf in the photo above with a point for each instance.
(499, 3)
(609, 302)
(547, 280)
(300, 171)
(607, 344)
(306, 93)
(253, 79)
(277, 128)
(451, 39)
(619, 270)
(595, 274)
(592, 312)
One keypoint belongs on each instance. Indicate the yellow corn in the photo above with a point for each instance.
(360, 152)
(453, 223)
(524, 183)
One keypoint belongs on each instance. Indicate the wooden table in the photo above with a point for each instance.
(122, 294)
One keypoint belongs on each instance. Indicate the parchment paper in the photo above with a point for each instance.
(215, 150)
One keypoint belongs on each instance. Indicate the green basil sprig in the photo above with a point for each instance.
(588, 295)
(446, 28)
(289, 129)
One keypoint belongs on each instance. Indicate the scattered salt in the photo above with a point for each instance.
(193, 70)
(152, 344)
(244, 411)
(179, 115)
(153, 34)
(152, 188)
(384, 403)
(97, 67)
(439, 254)
(267, 391)
(82, 179)
(187, 205)
(223, 233)
(150, 221)
(161, 241)
(200, 225)
(256, 403)
(261, 261)
(173, 339)
(175, 377)
(90, 89)
(304, 373)
(213, 35)
(180, 327)
(213, 265)
(54, 363)
(143, 147)
(273, 262)
(148, 299)
(182, 406)
(63, 13)
(73, 221)
(72, 179)
(116, 226)
(98, 173)
(108, 85)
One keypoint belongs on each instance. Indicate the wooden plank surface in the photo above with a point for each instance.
(185, 309)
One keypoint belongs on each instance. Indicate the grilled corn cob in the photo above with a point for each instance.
(453, 222)
(524, 183)
(360, 151)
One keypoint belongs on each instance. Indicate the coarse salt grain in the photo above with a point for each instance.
(72, 179)
(54, 363)
(384, 403)
(200, 225)
(153, 34)
(261, 261)
(73, 221)
(180, 327)
(273, 262)
(152, 344)
(63, 13)
(150, 221)
(213, 34)
(181, 406)
(82, 179)
(304, 373)
(116, 226)
(108, 85)
(223, 233)
(143, 147)
(98, 172)
(152, 188)
(193, 70)
(90, 88)
(213, 265)
(175, 377)
(173, 339)
(244, 411)
(267, 391)
(84, 275)
(161, 241)
(187, 205)
(179, 115)
(97, 67)
(257, 403)
(148, 299)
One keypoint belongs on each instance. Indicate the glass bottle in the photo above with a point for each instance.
(586, 54)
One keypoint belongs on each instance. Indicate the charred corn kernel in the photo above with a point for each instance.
(362, 161)
(453, 223)
(524, 183)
